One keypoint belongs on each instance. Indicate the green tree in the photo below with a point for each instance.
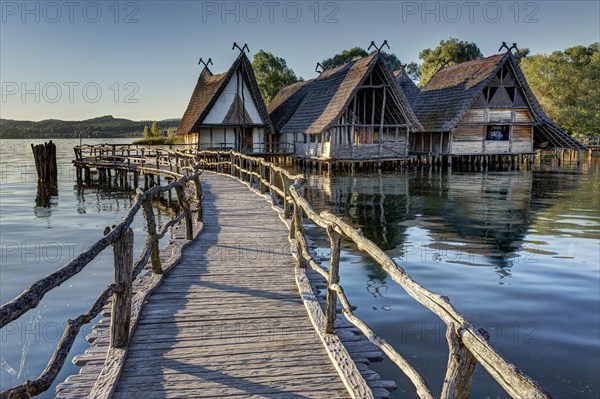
(521, 53)
(392, 61)
(272, 73)
(146, 132)
(155, 129)
(355, 53)
(448, 52)
(344, 57)
(567, 84)
(413, 70)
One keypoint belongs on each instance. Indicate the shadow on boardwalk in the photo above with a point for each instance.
(227, 321)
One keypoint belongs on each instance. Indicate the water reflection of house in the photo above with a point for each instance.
(353, 112)
(482, 216)
(465, 216)
(227, 111)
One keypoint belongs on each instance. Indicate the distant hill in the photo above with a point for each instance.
(101, 127)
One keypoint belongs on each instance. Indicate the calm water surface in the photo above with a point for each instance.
(518, 253)
(35, 241)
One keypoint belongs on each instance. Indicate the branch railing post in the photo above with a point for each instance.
(300, 261)
(272, 185)
(250, 175)
(121, 303)
(151, 230)
(198, 187)
(262, 178)
(185, 207)
(286, 206)
(232, 164)
(334, 278)
(461, 364)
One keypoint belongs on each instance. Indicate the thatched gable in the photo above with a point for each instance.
(208, 90)
(445, 99)
(315, 105)
(408, 87)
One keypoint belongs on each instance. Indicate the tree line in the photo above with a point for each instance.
(567, 82)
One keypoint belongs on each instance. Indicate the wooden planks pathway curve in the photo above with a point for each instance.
(228, 321)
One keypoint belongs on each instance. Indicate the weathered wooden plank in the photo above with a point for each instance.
(194, 299)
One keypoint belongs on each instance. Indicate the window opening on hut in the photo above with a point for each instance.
(497, 132)
(490, 93)
(511, 93)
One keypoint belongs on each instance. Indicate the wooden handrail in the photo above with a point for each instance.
(126, 271)
(47, 377)
(461, 335)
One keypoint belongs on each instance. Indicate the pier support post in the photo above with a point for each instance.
(121, 303)
(45, 163)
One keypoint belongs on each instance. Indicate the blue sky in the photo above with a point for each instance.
(138, 59)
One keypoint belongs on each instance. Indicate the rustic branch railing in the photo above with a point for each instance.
(121, 240)
(590, 141)
(467, 346)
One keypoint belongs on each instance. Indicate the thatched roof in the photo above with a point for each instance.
(208, 89)
(408, 87)
(314, 105)
(451, 91)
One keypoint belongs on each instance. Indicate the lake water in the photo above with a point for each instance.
(35, 241)
(518, 253)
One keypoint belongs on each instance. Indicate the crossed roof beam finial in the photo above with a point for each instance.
(384, 44)
(319, 66)
(442, 63)
(508, 49)
(242, 49)
(207, 63)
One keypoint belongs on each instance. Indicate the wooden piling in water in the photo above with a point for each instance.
(45, 163)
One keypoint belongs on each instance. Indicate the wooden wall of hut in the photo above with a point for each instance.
(470, 135)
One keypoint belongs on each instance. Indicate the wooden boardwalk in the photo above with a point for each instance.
(228, 320)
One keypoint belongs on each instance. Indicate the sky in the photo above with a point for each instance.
(76, 60)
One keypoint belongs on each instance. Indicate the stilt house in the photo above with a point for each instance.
(227, 111)
(481, 107)
(353, 112)
(408, 87)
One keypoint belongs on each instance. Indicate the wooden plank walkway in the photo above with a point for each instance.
(228, 321)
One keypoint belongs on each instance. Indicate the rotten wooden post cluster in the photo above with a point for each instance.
(47, 172)
(467, 346)
(120, 238)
